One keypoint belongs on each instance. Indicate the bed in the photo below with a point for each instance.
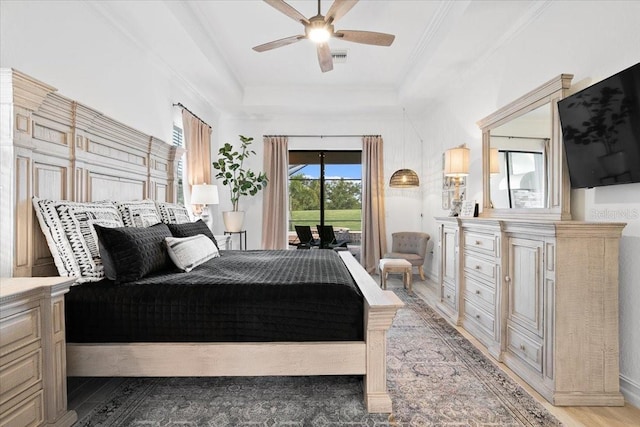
(64, 150)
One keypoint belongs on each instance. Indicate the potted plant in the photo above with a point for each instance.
(241, 181)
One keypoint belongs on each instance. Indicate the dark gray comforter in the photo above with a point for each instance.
(243, 296)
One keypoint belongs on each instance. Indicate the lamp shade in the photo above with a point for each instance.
(404, 178)
(494, 161)
(204, 194)
(456, 162)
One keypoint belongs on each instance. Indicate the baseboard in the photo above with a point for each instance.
(630, 390)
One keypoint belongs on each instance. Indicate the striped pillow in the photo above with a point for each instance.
(189, 252)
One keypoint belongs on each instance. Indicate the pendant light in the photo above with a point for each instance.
(404, 178)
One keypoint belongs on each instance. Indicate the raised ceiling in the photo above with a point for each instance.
(208, 44)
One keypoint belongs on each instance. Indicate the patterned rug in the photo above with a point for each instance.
(436, 378)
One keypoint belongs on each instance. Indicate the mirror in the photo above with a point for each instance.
(523, 167)
(518, 160)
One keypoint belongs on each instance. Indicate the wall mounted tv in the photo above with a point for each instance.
(601, 131)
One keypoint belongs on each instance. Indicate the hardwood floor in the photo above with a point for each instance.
(85, 393)
(578, 416)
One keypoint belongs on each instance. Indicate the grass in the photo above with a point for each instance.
(347, 218)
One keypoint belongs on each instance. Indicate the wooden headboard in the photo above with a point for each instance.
(60, 149)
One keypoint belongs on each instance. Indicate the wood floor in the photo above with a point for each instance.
(578, 416)
(84, 394)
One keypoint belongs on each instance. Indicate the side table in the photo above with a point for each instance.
(240, 234)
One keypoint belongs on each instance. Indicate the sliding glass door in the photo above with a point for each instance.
(325, 188)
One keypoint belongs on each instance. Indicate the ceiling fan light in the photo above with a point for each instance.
(404, 178)
(319, 35)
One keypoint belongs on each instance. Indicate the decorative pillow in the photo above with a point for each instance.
(138, 213)
(171, 213)
(189, 252)
(78, 221)
(56, 239)
(68, 228)
(189, 229)
(130, 253)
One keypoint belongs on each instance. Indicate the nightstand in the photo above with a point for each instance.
(33, 372)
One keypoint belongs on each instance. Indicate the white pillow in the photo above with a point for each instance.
(189, 252)
(171, 213)
(138, 213)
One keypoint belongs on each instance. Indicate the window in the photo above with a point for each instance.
(179, 142)
(325, 187)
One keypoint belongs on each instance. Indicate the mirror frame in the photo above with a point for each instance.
(559, 188)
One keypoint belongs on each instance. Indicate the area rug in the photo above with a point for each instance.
(436, 378)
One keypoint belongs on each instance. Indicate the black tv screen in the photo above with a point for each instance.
(601, 131)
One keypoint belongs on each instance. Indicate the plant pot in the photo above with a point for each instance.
(233, 220)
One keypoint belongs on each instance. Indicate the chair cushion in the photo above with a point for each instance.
(393, 262)
(412, 258)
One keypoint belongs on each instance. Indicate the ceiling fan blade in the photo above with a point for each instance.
(338, 9)
(366, 37)
(324, 57)
(287, 10)
(277, 43)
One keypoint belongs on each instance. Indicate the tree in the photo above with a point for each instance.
(343, 194)
(304, 193)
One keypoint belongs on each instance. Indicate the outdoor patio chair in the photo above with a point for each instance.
(328, 238)
(305, 236)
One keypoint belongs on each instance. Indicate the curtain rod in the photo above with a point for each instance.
(179, 104)
(520, 137)
(320, 136)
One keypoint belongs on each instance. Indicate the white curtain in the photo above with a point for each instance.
(374, 240)
(276, 195)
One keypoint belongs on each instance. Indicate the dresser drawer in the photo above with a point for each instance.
(482, 318)
(483, 243)
(527, 348)
(480, 267)
(449, 296)
(18, 375)
(27, 413)
(19, 330)
(479, 293)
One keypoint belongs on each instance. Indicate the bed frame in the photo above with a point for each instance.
(61, 149)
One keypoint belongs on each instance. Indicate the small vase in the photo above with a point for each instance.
(233, 220)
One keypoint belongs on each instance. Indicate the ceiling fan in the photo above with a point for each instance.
(319, 29)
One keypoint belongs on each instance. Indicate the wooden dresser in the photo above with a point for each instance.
(542, 296)
(33, 376)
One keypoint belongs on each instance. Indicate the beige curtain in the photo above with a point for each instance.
(197, 142)
(374, 234)
(276, 195)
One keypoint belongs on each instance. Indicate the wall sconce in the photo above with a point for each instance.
(456, 165)
(204, 194)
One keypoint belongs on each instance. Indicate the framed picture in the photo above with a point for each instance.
(469, 209)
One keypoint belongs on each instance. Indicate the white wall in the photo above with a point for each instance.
(591, 40)
(73, 47)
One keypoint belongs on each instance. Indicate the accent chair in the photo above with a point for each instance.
(411, 246)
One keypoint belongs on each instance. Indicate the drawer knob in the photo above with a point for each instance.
(478, 242)
(449, 296)
(477, 316)
(522, 347)
(477, 267)
(477, 292)
(507, 279)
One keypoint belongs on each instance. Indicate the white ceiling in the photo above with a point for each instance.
(207, 44)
